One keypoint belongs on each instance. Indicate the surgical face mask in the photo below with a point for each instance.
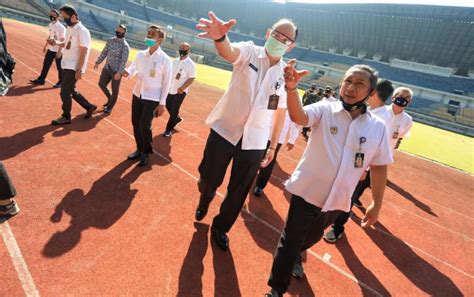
(68, 22)
(119, 34)
(150, 42)
(52, 18)
(400, 101)
(183, 53)
(275, 48)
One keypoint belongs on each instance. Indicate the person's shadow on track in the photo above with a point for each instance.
(105, 203)
(226, 282)
(16, 91)
(190, 276)
(426, 208)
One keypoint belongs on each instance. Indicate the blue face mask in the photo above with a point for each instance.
(150, 42)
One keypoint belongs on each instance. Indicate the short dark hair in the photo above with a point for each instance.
(55, 11)
(161, 33)
(373, 74)
(384, 89)
(123, 27)
(69, 10)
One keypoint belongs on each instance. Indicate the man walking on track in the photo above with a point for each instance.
(345, 139)
(76, 48)
(116, 51)
(241, 122)
(56, 32)
(184, 72)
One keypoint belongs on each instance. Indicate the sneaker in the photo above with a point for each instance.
(331, 236)
(298, 270)
(9, 209)
(357, 203)
(37, 82)
(57, 85)
(90, 111)
(61, 121)
(167, 134)
(107, 110)
(258, 191)
(273, 293)
(179, 121)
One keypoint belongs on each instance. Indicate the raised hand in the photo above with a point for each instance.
(292, 76)
(214, 28)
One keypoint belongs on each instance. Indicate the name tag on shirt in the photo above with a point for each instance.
(152, 72)
(358, 160)
(395, 135)
(68, 45)
(253, 67)
(273, 102)
(178, 75)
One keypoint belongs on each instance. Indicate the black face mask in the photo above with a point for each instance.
(354, 106)
(119, 34)
(52, 18)
(68, 22)
(400, 101)
(183, 53)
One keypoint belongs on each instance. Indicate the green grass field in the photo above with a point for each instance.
(428, 142)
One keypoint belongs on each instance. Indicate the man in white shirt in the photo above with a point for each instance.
(290, 130)
(252, 108)
(383, 91)
(344, 141)
(152, 68)
(56, 32)
(402, 122)
(76, 48)
(184, 72)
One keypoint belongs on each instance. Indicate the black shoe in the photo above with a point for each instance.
(201, 213)
(107, 110)
(90, 111)
(37, 82)
(258, 191)
(105, 104)
(298, 269)
(143, 160)
(57, 85)
(135, 155)
(167, 134)
(60, 121)
(273, 293)
(220, 238)
(9, 210)
(179, 121)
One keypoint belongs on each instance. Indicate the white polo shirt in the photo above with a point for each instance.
(290, 130)
(186, 70)
(242, 112)
(326, 176)
(56, 31)
(153, 74)
(76, 36)
(331, 99)
(400, 126)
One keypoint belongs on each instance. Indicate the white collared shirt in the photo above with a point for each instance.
(76, 36)
(400, 127)
(56, 31)
(331, 99)
(290, 130)
(383, 113)
(153, 74)
(186, 69)
(326, 176)
(242, 112)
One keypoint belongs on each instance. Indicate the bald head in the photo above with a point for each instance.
(287, 28)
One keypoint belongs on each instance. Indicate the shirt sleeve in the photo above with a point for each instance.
(315, 112)
(383, 155)
(192, 70)
(166, 86)
(84, 38)
(132, 69)
(124, 58)
(245, 48)
(407, 132)
(294, 132)
(104, 53)
(62, 32)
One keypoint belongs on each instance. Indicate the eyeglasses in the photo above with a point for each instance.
(282, 38)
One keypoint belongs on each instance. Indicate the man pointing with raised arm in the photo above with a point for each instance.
(251, 111)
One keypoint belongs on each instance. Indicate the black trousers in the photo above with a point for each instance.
(304, 227)
(7, 190)
(49, 57)
(142, 118)
(217, 155)
(265, 173)
(107, 76)
(173, 103)
(342, 219)
(69, 92)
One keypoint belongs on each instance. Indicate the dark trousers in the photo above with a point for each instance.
(265, 173)
(106, 76)
(173, 103)
(217, 155)
(69, 92)
(49, 57)
(143, 112)
(342, 219)
(304, 227)
(7, 190)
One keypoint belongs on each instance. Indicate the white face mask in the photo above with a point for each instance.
(275, 48)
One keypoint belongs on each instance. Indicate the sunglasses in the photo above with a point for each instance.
(282, 38)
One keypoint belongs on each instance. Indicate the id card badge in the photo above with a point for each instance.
(178, 75)
(152, 72)
(68, 45)
(395, 135)
(273, 102)
(358, 160)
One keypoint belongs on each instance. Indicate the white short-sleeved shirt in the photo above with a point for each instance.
(331, 99)
(326, 176)
(186, 69)
(290, 130)
(153, 74)
(242, 112)
(76, 36)
(400, 127)
(56, 31)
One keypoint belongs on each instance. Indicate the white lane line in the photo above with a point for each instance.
(24, 275)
